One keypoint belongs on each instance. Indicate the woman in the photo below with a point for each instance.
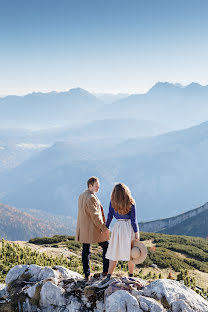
(122, 207)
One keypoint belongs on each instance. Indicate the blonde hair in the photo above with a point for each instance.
(121, 199)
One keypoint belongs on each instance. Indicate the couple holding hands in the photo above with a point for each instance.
(92, 228)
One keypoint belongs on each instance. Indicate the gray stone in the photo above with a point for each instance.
(3, 292)
(99, 306)
(74, 306)
(144, 306)
(174, 291)
(51, 294)
(34, 271)
(15, 273)
(120, 301)
(47, 273)
(66, 273)
(181, 305)
(2, 286)
(152, 304)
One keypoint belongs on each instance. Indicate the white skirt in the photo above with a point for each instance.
(119, 247)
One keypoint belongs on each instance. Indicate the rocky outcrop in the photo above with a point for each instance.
(165, 224)
(43, 289)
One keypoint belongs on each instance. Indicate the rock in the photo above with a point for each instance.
(74, 306)
(144, 306)
(3, 293)
(34, 271)
(31, 291)
(181, 305)
(66, 273)
(153, 265)
(2, 286)
(47, 273)
(120, 301)
(99, 306)
(150, 304)
(15, 273)
(51, 294)
(174, 291)
(37, 289)
(136, 293)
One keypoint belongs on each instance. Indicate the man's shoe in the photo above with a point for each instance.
(100, 275)
(97, 275)
(88, 277)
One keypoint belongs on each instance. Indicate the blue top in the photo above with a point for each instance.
(130, 215)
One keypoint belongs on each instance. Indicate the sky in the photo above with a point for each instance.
(101, 45)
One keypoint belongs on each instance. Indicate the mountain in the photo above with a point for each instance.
(17, 145)
(167, 174)
(19, 225)
(190, 223)
(171, 104)
(12, 155)
(123, 128)
(42, 110)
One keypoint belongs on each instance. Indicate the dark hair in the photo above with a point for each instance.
(121, 199)
(92, 180)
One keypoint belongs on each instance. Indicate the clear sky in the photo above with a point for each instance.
(101, 45)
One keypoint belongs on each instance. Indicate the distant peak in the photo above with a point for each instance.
(161, 86)
(194, 85)
(78, 91)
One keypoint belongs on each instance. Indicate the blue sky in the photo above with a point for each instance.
(101, 45)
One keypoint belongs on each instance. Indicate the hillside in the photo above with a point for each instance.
(167, 174)
(41, 110)
(19, 225)
(167, 255)
(173, 257)
(191, 223)
(177, 106)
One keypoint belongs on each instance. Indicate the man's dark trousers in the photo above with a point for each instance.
(86, 258)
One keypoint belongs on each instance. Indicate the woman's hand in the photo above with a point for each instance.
(137, 235)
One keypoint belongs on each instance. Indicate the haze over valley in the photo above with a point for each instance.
(53, 142)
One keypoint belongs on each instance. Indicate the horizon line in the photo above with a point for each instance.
(101, 92)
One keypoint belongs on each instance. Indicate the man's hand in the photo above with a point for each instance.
(107, 231)
(106, 234)
(137, 236)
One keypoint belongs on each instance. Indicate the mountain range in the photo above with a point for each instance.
(19, 225)
(42, 110)
(167, 174)
(190, 223)
(174, 106)
(170, 105)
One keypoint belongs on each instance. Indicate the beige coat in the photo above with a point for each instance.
(91, 219)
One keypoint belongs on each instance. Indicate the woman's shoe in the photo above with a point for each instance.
(104, 283)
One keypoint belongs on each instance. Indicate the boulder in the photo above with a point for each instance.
(66, 273)
(31, 288)
(174, 292)
(47, 273)
(15, 273)
(150, 304)
(120, 301)
(51, 294)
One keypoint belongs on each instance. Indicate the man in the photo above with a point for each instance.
(91, 226)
